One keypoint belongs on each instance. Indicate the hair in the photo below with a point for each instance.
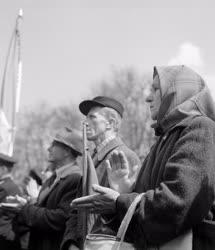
(112, 114)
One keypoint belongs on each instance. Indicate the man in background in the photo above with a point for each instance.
(47, 217)
(103, 119)
(7, 188)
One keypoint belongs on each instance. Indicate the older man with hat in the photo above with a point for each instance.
(7, 188)
(46, 219)
(103, 118)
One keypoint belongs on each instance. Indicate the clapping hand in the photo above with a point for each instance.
(121, 178)
(32, 189)
(13, 203)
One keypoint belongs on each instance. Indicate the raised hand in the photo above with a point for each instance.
(121, 178)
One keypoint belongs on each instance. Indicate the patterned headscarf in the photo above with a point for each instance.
(183, 94)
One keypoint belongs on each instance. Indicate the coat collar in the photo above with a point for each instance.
(67, 169)
(115, 142)
(61, 173)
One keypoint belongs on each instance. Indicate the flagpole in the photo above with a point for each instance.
(19, 73)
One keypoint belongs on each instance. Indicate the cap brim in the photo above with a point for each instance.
(7, 159)
(86, 106)
(61, 140)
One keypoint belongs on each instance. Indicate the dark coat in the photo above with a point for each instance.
(178, 175)
(178, 178)
(46, 220)
(107, 224)
(7, 236)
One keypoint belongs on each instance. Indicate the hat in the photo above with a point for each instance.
(7, 160)
(70, 137)
(101, 101)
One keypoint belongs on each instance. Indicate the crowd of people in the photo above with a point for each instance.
(176, 180)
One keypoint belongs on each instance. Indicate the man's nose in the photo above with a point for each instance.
(86, 122)
(149, 98)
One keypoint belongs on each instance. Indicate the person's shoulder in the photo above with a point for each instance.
(74, 177)
(9, 186)
(202, 122)
(128, 151)
(2, 185)
(6, 183)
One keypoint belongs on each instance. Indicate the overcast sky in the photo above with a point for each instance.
(69, 45)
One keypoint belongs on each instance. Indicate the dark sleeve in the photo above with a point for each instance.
(186, 193)
(49, 220)
(3, 194)
(72, 234)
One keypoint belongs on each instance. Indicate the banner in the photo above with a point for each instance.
(10, 91)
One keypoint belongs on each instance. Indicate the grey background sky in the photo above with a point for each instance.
(69, 45)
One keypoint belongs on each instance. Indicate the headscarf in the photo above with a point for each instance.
(184, 94)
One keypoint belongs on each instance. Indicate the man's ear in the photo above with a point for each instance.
(111, 123)
(66, 153)
(108, 125)
(5, 169)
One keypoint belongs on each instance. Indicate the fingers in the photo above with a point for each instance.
(21, 199)
(118, 160)
(123, 160)
(108, 167)
(10, 197)
(84, 200)
(113, 162)
(101, 190)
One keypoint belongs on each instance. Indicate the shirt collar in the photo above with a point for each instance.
(102, 145)
(67, 169)
(109, 146)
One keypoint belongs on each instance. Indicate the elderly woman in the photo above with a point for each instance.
(177, 176)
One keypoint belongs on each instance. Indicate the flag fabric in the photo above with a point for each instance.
(10, 91)
(5, 134)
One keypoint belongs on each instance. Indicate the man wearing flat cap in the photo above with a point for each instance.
(7, 188)
(46, 219)
(103, 119)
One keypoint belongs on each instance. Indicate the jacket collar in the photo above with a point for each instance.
(66, 170)
(61, 173)
(115, 142)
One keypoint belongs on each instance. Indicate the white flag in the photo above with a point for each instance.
(5, 134)
(10, 91)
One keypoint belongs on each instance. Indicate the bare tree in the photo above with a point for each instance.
(131, 89)
(36, 128)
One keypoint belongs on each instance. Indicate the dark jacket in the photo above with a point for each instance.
(46, 220)
(109, 224)
(7, 236)
(105, 224)
(177, 176)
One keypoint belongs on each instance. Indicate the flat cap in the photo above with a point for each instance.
(6, 160)
(101, 101)
(70, 137)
